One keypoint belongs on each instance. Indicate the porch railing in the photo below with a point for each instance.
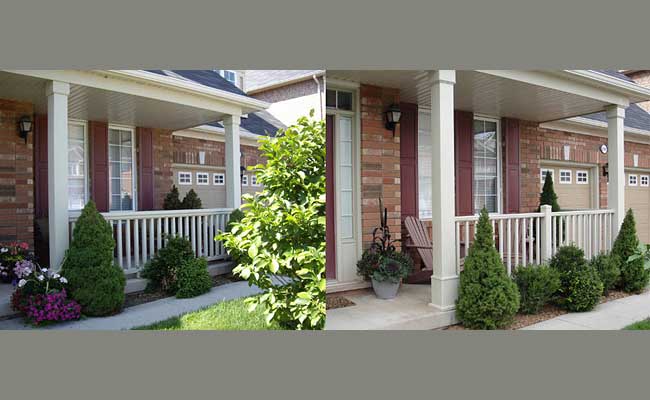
(140, 234)
(533, 238)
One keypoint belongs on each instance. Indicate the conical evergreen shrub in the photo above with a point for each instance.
(94, 280)
(548, 196)
(634, 277)
(488, 298)
(191, 201)
(172, 199)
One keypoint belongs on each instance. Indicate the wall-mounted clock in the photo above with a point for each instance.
(603, 148)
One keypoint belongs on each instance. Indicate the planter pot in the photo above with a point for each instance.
(385, 289)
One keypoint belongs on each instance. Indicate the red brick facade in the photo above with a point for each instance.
(380, 162)
(16, 175)
(186, 151)
(642, 77)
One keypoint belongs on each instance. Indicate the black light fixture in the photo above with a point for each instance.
(606, 170)
(393, 115)
(24, 127)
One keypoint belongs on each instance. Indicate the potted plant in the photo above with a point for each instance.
(382, 264)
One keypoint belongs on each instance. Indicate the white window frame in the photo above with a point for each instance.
(219, 175)
(134, 165)
(567, 182)
(499, 160)
(254, 181)
(542, 174)
(244, 180)
(206, 175)
(180, 182)
(645, 178)
(336, 106)
(83, 124)
(223, 72)
(629, 180)
(586, 175)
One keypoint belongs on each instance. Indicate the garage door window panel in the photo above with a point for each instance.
(565, 176)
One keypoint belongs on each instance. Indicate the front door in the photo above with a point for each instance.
(330, 216)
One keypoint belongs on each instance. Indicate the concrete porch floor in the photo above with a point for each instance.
(410, 310)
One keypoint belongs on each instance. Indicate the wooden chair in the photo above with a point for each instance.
(418, 238)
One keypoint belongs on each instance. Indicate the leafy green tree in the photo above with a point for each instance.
(191, 201)
(172, 200)
(634, 276)
(94, 280)
(280, 241)
(488, 298)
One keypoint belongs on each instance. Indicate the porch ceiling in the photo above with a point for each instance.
(120, 107)
(484, 92)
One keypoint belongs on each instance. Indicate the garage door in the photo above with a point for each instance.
(573, 186)
(637, 197)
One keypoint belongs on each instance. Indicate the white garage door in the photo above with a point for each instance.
(637, 197)
(573, 186)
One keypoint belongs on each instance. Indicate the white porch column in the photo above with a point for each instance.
(57, 169)
(444, 281)
(616, 160)
(233, 180)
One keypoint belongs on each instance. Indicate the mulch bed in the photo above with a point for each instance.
(548, 312)
(137, 298)
(334, 301)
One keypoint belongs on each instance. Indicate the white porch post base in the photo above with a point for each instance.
(444, 281)
(616, 160)
(233, 154)
(444, 292)
(57, 170)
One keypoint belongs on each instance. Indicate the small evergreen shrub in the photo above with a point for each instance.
(568, 258)
(172, 200)
(191, 201)
(235, 216)
(193, 278)
(634, 276)
(583, 290)
(94, 280)
(548, 196)
(607, 266)
(537, 285)
(488, 298)
(162, 269)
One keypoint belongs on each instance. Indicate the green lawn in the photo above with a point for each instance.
(639, 326)
(226, 315)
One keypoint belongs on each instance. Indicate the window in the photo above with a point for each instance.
(219, 179)
(77, 164)
(254, 181)
(184, 178)
(230, 76)
(632, 180)
(486, 165)
(244, 180)
(339, 99)
(645, 180)
(582, 177)
(565, 176)
(202, 178)
(542, 174)
(121, 164)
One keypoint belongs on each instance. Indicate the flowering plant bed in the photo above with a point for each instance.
(40, 295)
(10, 255)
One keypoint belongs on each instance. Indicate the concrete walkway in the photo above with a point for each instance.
(613, 315)
(148, 313)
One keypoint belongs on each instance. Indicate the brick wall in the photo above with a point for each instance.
(380, 162)
(642, 77)
(186, 151)
(16, 175)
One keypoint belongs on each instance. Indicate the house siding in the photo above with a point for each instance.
(16, 175)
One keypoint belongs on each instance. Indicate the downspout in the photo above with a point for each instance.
(320, 96)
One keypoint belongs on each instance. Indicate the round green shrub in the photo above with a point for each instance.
(94, 280)
(191, 201)
(567, 259)
(162, 269)
(607, 266)
(487, 298)
(193, 278)
(537, 285)
(583, 290)
(634, 277)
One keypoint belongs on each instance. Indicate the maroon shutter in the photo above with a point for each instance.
(330, 229)
(99, 156)
(409, 159)
(464, 153)
(145, 169)
(511, 133)
(40, 165)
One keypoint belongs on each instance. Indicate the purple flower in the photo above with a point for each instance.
(23, 268)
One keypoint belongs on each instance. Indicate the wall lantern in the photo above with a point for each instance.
(393, 115)
(24, 127)
(606, 170)
(242, 169)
